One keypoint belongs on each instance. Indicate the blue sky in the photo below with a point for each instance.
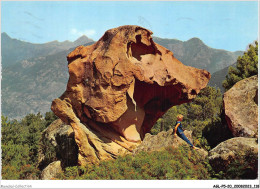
(229, 25)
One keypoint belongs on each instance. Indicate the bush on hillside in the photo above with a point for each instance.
(244, 166)
(174, 164)
(20, 144)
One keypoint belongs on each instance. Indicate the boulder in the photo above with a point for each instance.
(228, 151)
(241, 107)
(118, 88)
(160, 141)
(58, 143)
(163, 140)
(51, 171)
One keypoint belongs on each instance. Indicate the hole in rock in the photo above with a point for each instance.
(138, 49)
(155, 100)
(193, 92)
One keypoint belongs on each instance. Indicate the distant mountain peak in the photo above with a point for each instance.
(82, 37)
(53, 42)
(82, 40)
(5, 35)
(195, 40)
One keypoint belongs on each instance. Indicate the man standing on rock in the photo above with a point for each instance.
(179, 130)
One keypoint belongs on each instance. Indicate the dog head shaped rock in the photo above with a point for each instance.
(126, 82)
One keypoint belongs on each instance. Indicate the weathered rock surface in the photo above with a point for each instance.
(51, 171)
(241, 107)
(226, 152)
(118, 88)
(163, 140)
(58, 143)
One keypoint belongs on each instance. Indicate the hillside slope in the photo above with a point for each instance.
(218, 77)
(30, 85)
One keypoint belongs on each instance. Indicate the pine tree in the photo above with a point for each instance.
(247, 66)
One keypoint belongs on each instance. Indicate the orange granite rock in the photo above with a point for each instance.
(119, 87)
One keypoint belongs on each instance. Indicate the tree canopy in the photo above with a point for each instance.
(20, 144)
(247, 66)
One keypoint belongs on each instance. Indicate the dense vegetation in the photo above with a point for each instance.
(170, 164)
(20, 143)
(173, 164)
(244, 166)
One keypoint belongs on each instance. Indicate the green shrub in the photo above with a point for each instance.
(20, 144)
(245, 166)
(179, 163)
(9, 172)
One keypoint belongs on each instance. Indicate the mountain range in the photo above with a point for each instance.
(35, 74)
(195, 53)
(14, 50)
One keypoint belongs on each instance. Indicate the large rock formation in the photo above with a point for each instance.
(230, 150)
(118, 88)
(241, 107)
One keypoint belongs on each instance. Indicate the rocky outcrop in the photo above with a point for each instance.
(118, 88)
(163, 140)
(58, 143)
(51, 171)
(228, 151)
(241, 107)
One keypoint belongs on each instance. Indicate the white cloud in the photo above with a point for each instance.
(88, 32)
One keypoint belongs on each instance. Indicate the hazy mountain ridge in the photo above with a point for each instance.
(30, 84)
(14, 50)
(31, 89)
(218, 77)
(195, 53)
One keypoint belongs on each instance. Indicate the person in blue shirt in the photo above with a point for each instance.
(178, 130)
